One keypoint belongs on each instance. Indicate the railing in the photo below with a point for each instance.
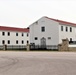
(32, 47)
(13, 47)
(17, 47)
(72, 42)
(46, 47)
(1, 47)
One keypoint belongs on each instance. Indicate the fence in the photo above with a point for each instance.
(13, 47)
(72, 42)
(41, 47)
(1, 47)
(32, 47)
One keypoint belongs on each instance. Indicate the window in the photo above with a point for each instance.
(43, 29)
(8, 41)
(22, 42)
(70, 39)
(16, 41)
(3, 33)
(27, 41)
(61, 28)
(22, 34)
(27, 35)
(36, 38)
(16, 34)
(70, 29)
(8, 33)
(66, 29)
(49, 38)
(36, 22)
(3, 41)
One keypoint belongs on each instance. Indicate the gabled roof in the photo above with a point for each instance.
(62, 22)
(14, 29)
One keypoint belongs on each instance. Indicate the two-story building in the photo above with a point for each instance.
(49, 31)
(12, 36)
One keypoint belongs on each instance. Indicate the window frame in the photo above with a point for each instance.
(22, 41)
(8, 33)
(61, 28)
(3, 33)
(27, 34)
(16, 34)
(22, 34)
(36, 38)
(49, 38)
(70, 29)
(71, 39)
(17, 42)
(66, 28)
(27, 42)
(43, 29)
(8, 41)
(3, 41)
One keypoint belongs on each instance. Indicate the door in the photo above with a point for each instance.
(43, 42)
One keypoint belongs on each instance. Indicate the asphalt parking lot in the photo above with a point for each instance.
(37, 63)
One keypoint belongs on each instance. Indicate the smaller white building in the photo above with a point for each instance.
(14, 36)
(49, 31)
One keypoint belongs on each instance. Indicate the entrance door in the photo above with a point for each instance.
(43, 42)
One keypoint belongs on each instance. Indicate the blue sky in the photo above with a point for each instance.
(21, 13)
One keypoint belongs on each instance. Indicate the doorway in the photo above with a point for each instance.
(43, 42)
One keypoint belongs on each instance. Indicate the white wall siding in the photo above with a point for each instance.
(13, 38)
(51, 30)
(63, 34)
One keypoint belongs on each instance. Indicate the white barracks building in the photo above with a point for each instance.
(49, 31)
(14, 36)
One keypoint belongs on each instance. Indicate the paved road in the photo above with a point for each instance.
(37, 63)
